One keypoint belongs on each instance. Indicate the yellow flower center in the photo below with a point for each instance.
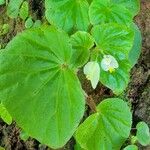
(88, 77)
(111, 70)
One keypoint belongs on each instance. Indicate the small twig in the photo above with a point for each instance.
(133, 129)
(90, 102)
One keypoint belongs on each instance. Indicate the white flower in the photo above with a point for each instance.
(92, 72)
(109, 63)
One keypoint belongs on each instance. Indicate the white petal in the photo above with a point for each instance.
(87, 68)
(114, 64)
(109, 62)
(92, 71)
(104, 65)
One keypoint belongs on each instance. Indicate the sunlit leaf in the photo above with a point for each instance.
(68, 14)
(104, 11)
(132, 5)
(108, 128)
(38, 86)
(117, 41)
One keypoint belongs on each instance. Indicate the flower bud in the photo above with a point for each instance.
(92, 72)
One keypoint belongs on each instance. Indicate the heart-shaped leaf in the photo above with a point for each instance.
(104, 11)
(108, 128)
(115, 40)
(38, 86)
(68, 14)
(132, 5)
(81, 43)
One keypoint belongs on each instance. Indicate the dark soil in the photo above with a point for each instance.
(138, 91)
(139, 87)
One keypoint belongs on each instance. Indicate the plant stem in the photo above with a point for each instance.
(90, 102)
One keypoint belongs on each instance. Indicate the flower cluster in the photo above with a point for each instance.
(92, 69)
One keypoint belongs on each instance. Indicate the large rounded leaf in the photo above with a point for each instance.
(108, 128)
(68, 14)
(38, 88)
(115, 40)
(104, 11)
(132, 5)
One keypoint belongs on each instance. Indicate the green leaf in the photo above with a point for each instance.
(108, 128)
(1, 148)
(4, 29)
(89, 1)
(5, 115)
(118, 80)
(131, 147)
(24, 10)
(24, 136)
(37, 24)
(29, 23)
(133, 139)
(143, 133)
(104, 11)
(68, 14)
(38, 86)
(132, 5)
(13, 8)
(137, 45)
(77, 147)
(2, 2)
(115, 40)
(81, 43)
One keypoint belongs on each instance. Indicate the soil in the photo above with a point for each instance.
(138, 91)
